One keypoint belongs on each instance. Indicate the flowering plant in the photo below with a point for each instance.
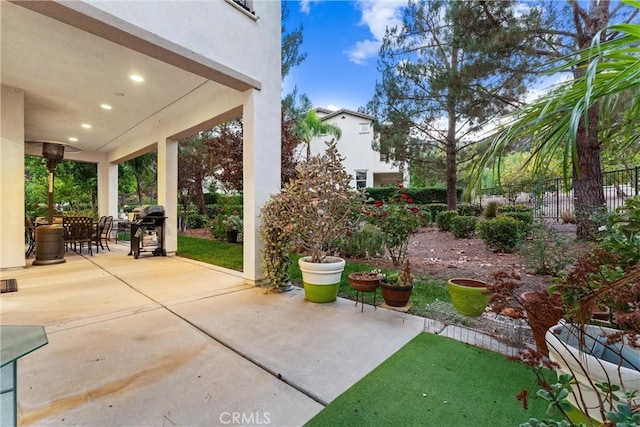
(232, 222)
(397, 219)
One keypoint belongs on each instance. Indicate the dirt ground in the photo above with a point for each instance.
(439, 254)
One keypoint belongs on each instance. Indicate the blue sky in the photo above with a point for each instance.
(341, 40)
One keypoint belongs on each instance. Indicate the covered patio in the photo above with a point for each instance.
(120, 79)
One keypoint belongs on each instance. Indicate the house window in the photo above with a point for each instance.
(245, 4)
(364, 127)
(361, 179)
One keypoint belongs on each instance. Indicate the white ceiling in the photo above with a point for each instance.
(67, 73)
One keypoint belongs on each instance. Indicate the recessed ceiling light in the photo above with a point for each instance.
(136, 78)
(105, 106)
(72, 139)
(86, 125)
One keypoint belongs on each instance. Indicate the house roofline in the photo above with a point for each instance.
(331, 114)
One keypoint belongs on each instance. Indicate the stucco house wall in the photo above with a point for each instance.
(356, 145)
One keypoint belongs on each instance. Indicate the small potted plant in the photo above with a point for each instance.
(233, 226)
(366, 281)
(397, 288)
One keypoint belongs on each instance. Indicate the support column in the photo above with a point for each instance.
(261, 169)
(168, 191)
(107, 189)
(12, 209)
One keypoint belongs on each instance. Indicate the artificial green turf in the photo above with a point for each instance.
(228, 255)
(436, 381)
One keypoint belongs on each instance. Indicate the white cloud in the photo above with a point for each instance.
(377, 16)
(305, 6)
(363, 50)
(332, 107)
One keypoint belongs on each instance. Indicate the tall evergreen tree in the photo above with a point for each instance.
(556, 126)
(448, 70)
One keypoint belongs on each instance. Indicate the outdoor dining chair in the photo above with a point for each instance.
(103, 232)
(29, 236)
(78, 230)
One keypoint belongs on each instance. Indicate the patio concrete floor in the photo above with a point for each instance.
(170, 341)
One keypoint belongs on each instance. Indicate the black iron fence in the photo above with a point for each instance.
(553, 198)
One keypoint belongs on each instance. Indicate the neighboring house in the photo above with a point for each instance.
(65, 77)
(367, 166)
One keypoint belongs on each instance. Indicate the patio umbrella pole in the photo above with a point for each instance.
(50, 237)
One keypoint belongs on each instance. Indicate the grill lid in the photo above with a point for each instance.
(148, 210)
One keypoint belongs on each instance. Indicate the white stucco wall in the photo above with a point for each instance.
(356, 146)
(215, 29)
(12, 189)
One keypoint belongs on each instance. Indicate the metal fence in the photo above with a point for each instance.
(550, 198)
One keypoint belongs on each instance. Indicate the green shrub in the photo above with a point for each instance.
(229, 205)
(464, 226)
(195, 220)
(380, 194)
(366, 242)
(443, 220)
(435, 209)
(502, 233)
(424, 215)
(469, 209)
(525, 218)
(419, 195)
(491, 211)
(513, 208)
(218, 227)
(547, 252)
(212, 210)
(210, 198)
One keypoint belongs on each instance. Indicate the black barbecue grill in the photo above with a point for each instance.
(147, 230)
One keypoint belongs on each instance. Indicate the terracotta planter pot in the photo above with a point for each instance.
(396, 296)
(364, 282)
(468, 296)
(542, 314)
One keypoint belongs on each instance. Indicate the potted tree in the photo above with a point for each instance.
(318, 207)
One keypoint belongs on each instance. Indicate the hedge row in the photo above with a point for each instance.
(423, 196)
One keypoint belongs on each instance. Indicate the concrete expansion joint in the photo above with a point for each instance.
(255, 362)
(245, 356)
